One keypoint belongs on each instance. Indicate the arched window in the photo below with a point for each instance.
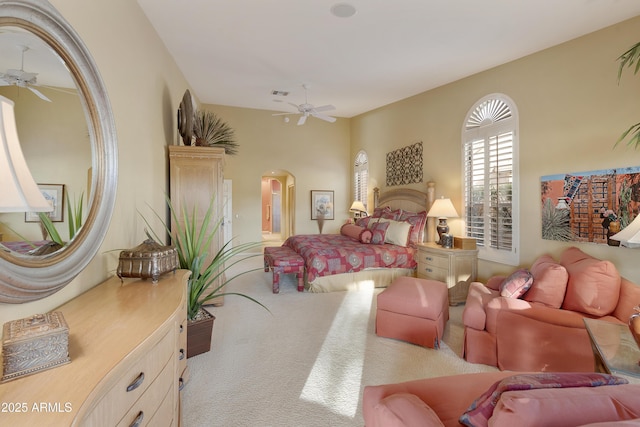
(490, 165)
(361, 177)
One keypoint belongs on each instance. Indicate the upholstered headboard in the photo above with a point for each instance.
(409, 200)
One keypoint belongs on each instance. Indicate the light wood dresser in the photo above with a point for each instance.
(455, 267)
(127, 348)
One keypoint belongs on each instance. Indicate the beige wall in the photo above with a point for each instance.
(316, 154)
(145, 87)
(571, 112)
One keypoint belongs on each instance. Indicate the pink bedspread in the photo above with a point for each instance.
(327, 254)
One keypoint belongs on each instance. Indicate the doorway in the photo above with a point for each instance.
(278, 206)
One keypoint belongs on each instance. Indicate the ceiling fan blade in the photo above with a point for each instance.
(40, 94)
(323, 117)
(324, 108)
(283, 114)
(302, 119)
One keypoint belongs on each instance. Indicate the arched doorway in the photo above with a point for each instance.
(277, 189)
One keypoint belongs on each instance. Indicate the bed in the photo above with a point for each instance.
(364, 253)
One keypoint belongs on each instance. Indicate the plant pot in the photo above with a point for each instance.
(199, 334)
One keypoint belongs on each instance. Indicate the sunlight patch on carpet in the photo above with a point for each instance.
(334, 381)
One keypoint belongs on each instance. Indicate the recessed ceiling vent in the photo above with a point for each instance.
(279, 93)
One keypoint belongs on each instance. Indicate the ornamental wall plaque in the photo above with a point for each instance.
(404, 165)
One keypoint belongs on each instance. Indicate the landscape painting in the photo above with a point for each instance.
(589, 206)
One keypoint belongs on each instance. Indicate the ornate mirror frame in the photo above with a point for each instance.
(27, 278)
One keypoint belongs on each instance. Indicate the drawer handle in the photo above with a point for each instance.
(181, 354)
(180, 384)
(181, 328)
(138, 420)
(429, 270)
(429, 258)
(136, 383)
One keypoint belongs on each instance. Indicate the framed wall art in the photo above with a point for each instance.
(322, 204)
(54, 194)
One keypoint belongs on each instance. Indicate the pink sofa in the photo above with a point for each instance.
(541, 328)
(441, 401)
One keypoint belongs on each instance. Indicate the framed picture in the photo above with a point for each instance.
(321, 204)
(54, 193)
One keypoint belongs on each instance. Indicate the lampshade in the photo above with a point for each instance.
(357, 206)
(18, 190)
(630, 235)
(443, 208)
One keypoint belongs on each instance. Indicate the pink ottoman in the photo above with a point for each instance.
(413, 310)
(283, 260)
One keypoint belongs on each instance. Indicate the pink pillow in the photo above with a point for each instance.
(418, 222)
(356, 232)
(363, 222)
(483, 407)
(379, 231)
(593, 286)
(517, 284)
(549, 282)
(405, 410)
(378, 212)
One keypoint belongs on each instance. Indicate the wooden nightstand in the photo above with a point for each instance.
(455, 267)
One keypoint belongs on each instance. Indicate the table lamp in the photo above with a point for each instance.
(358, 207)
(19, 192)
(630, 235)
(442, 209)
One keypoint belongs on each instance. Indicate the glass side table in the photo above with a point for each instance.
(614, 348)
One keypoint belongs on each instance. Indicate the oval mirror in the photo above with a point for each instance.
(25, 27)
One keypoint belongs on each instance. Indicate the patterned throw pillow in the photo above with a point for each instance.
(378, 231)
(417, 221)
(363, 222)
(517, 284)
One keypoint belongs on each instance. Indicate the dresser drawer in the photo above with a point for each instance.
(161, 391)
(435, 260)
(433, 273)
(138, 377)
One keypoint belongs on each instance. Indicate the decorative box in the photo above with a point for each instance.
(148, 260)
(464, 243)
(34, 344)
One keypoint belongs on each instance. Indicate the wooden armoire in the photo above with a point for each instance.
(196, 176)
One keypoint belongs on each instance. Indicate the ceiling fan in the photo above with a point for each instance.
(22, 78)
(305, 110)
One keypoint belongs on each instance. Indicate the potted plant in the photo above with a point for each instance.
(210, 131)
(628, 59)
(74, 215)
(208, 278)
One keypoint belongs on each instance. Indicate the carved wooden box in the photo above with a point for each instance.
(148, 260)
(34, 344)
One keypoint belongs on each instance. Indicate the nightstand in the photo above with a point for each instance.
(455, 267)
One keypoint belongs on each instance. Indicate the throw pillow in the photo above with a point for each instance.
(593, 286)
(378, 232)
(356, 232)
(397, 233)
(418, 222)
(549, 282)
(517, 284)
(378, 212)
(363, 222)
(482, 408)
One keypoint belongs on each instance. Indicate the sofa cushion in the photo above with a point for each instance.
(549, 282)
(405, 409)
(516, 284)
(593, 286)
(563, 407)
(485, 405)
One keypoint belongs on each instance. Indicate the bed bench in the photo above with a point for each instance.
(283, 260)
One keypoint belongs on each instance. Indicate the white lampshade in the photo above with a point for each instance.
(357, 206)
(630, 235)
(442, 208)
(18, 190)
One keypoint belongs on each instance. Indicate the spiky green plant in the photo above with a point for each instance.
(628, 59)
(191, 241)
(555, 223)
(211, 131)
(74, 220)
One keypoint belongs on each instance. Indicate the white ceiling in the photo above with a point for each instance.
(235, 52)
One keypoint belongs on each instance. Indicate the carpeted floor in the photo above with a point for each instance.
(305, 363)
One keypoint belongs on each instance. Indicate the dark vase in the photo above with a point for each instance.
(199, 335)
